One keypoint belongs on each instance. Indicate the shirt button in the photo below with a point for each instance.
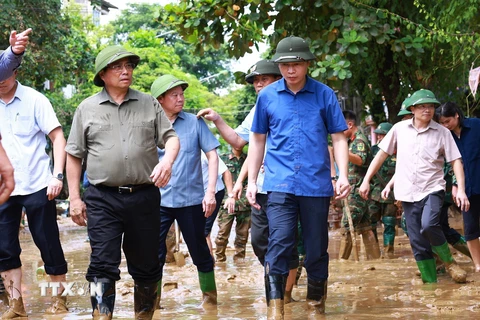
(126, 157)
(123, 140)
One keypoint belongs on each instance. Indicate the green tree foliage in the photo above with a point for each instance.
(150, 17)
(57, 52)
(384, 49)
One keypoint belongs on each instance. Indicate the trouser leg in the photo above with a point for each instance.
(259, 228)
(225, 222)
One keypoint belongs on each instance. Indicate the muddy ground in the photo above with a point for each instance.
(381, 289)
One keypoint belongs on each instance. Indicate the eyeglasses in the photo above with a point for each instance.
(118, 68)
(424, 106)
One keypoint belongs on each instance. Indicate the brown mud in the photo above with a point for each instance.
(379, 289)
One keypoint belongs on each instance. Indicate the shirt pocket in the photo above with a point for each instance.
(23, 125)
(100, 136)
(187, 142)
(144, 134)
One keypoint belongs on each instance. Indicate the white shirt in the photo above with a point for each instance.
(221, 169)
(420, 158)
(24, 123)
(244, 132)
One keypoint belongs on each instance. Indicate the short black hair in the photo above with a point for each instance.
(349, 115)
(450, 109)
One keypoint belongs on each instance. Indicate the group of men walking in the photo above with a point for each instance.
(133, 144)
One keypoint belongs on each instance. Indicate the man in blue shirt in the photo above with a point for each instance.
(11, 58)
(293, 118)
(184, 198)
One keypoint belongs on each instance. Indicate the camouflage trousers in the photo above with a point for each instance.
(225, 222)
(387, 213)
(359, 211)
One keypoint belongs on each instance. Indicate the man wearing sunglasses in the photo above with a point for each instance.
(119, 130)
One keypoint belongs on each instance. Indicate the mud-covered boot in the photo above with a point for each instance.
(287, 297)
(345, 246)
(103, 299)
(3, 294)
(458, 274)
(59, 305)
(209, 289)
(144, 297)
(220, 253)
(301, 259)
(239, 253)
(316, 297)
(170, 242)
(461, 246)
(16, 310)
(372, 249)
(274, 292)
(427, 270)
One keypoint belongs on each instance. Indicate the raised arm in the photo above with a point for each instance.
(223, 128)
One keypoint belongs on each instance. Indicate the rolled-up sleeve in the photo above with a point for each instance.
(164, 129)
(76, 144)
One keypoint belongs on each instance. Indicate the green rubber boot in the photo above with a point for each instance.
(428, 270)
(209, 289)
(458, 274)
(389, 230)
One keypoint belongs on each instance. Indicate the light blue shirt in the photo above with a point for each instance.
(185, 187)
(24, 123)
(297, 159)
(9, 61)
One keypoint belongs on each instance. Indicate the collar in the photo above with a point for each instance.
(19, 94)
(431, 125)
(466, 123)
(131, 95)
(308, 87)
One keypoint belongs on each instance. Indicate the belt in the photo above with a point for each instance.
(130, 188)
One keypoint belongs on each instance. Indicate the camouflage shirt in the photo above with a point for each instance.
(381, 178)
(235, 164)
(360, 146)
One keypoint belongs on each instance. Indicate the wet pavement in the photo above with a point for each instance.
(380, 289)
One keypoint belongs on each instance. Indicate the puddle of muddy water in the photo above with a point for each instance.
(381, 289)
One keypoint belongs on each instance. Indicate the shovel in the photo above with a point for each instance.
(352, 231)
(179, 257)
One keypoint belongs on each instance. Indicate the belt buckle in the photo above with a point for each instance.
(123, 190)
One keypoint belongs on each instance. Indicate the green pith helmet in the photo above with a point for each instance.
(109, 55)
(165, 83)
(292, 49)
(262, 67)
(383, 128)
(422, 96)
(403, 109)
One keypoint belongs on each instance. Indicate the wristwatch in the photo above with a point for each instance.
(59, 176)
(230, 195)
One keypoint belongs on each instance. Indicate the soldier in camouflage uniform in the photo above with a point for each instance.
(359, 159)
(379, 208)
(234, 162)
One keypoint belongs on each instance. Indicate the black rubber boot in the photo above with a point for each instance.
(275, 291)
(103, 304)
(316, 296)
(145, 295)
